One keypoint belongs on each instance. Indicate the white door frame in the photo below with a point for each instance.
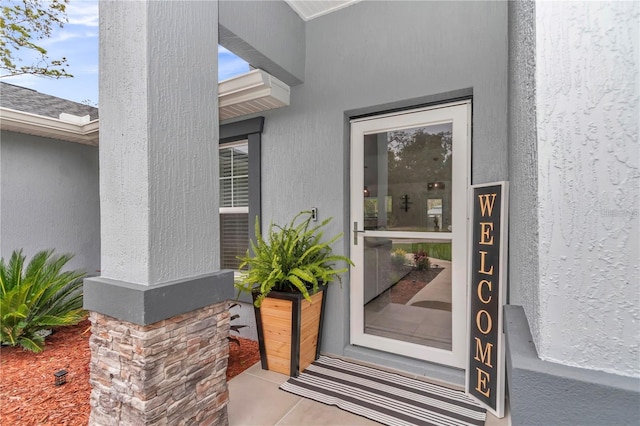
(460, 114)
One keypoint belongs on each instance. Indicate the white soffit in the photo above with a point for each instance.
(310, 9)
(67, 128)
(245, 94)
(250, 93)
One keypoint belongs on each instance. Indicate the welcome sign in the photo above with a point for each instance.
(486, 355)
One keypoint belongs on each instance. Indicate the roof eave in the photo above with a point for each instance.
(249, 93)
(38, 125)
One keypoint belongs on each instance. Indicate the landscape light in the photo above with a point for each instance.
(61, 377)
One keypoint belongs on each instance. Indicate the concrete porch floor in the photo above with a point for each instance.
(255, 399)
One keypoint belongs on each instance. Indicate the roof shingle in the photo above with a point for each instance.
(34, 102)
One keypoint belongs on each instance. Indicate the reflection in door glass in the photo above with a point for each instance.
(407, 290)
(407, 179)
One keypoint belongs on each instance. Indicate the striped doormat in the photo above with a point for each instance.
(384, 397)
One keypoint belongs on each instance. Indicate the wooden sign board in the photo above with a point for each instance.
(487, 295)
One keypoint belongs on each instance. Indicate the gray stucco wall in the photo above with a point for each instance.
(369, 54)
(558, 124)
(158, 162)
(547, 393)
(573, 161)
(158, 133)
(267, 34)
(587, 109)
(523, 162)
(49, 190)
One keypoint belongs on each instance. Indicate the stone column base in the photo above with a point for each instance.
(169, 372)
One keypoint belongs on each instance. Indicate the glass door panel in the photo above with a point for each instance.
(407, 179)
(408, 206)
(407, 290)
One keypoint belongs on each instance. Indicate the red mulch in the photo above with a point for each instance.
(242, 356)
(28, 395)
(411, 284)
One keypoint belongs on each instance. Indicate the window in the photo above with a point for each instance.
(239, 156)
(234, 202)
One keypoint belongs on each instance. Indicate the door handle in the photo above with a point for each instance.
(355, 233)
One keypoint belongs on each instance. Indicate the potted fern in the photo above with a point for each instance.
(287, 276)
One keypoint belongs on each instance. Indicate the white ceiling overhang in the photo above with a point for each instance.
(310, 9)
(67, 127)
(250, 93)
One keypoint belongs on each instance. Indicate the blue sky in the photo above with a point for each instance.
(78, 42)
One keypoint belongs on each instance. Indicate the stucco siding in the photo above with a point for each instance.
(369, 54)
(267, 34)
(158, 136)
(588, 184)
(523, 162)
(50, 200)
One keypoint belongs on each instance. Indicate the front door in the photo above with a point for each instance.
(409, 180)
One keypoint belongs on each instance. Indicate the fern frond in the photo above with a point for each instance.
(292, 257)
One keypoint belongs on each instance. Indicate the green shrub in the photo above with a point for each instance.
(398, 257)
(291, 258)
(422, 261)
(37, 298)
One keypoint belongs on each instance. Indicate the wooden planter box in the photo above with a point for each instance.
(289, 330)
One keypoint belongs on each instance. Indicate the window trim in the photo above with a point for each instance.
(251, 131)
(233, 210)
(232, 177)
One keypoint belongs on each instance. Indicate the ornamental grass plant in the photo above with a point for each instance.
(290, 258)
